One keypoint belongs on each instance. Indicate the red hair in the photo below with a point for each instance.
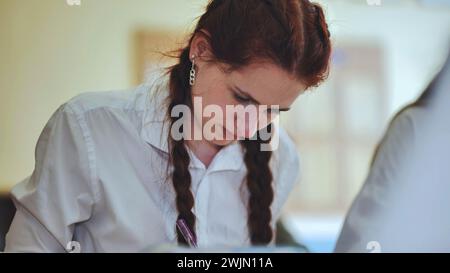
(290, 33)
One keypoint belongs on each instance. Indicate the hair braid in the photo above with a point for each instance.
(259, 183)
(180, 93)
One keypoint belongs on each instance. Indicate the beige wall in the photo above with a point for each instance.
(50, 51)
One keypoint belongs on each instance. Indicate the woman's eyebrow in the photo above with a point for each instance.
(257, 102)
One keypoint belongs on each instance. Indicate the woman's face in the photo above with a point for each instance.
(260, 86)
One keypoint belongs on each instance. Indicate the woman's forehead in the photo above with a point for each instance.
(267, 83)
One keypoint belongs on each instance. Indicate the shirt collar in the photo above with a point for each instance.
(155, 125)
(155, 129)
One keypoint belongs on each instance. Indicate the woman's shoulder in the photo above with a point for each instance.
(98, 115)
(125, 99)
(133, 99)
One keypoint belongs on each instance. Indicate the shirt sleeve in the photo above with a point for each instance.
(365, 216)
(59, 193)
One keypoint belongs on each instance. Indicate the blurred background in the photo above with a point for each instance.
(385, 52)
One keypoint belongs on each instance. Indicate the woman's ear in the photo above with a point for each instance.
(200, 47)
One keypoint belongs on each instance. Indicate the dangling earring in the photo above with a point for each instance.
(192, 72)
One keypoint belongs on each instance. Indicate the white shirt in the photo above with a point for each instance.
(100, 180)
(404, 204)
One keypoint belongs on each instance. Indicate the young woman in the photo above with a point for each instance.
(111, 176)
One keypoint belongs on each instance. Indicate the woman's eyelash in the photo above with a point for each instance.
(240, 98)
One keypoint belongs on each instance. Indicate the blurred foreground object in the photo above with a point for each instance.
(404, 205)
